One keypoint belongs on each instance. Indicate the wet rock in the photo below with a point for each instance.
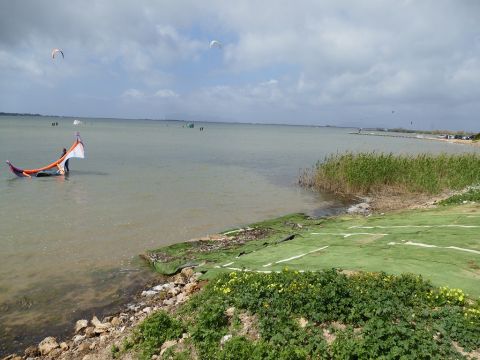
(133, 307)
(31, 351)
(80, 325)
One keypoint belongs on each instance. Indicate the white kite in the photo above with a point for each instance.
(215, 44)
(56, 51)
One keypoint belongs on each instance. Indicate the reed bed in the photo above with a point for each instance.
(365, 173)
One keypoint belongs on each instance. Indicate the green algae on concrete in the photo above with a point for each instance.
(441, 244)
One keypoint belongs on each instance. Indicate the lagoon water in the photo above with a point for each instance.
(69, 245)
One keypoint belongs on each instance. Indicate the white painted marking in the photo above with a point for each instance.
(411, 226)
(463, 249)
(230, 263)
(301, 255)
(435, 246)
(345, 235)
(248, 270)
(267, 265)
(420, 244)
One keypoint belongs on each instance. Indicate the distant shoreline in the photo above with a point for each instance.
(451, 141)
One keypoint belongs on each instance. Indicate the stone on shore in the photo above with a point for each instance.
(116, 321)
(187, 272)
(47, 345)
(80, 325)
(31, 351)
(99, 326)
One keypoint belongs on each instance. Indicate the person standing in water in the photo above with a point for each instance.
(66, 162)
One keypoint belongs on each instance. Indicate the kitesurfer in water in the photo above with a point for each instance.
(66, 162)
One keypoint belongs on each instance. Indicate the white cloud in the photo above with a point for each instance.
(133, 94)
(166, 93)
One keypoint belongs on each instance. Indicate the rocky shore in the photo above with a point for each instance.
(95, 338)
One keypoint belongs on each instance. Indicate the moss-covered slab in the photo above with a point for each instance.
(442, 244)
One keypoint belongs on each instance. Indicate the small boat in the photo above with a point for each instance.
(77, 150)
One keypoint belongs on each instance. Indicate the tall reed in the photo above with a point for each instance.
(363, 173)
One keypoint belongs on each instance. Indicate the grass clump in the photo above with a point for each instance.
(365, 173)
(472, 195)
(154, 331)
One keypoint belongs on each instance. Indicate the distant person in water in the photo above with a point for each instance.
(66, 162)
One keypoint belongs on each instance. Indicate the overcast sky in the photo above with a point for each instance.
(413, 64)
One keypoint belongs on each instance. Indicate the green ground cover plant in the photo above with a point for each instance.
(364, 173)
(324, 315)
(472, 195)
(151, 334)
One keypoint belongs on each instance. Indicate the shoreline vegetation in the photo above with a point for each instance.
(366, 284)
(393, 181)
